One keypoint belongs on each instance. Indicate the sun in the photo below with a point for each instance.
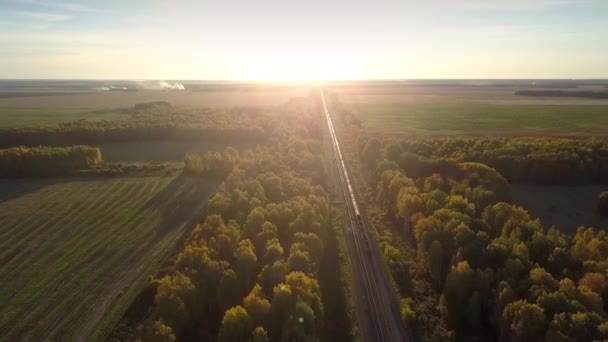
(301, 68)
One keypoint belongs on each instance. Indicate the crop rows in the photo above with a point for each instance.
(69, 249)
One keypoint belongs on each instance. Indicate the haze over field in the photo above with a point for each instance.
(271, 39)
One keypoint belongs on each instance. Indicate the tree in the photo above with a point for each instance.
(260, 335)
(155, 331)
(246, 262)
(541, 281)
(273, 253)
(596, 282)
(313, 244)
(257, 306)
(523, 321)
(456, 297)
(173, 294)
(236, 325)
(577, 326)
(230, 290)
(299, 261)
(253, 224)
(269, 232)
(408, 315)
(302, 322)
(271, 275)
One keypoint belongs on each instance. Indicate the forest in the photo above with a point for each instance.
(46, 161)
(498, 272)
(539, 160)
(149, 121)
(250, 271)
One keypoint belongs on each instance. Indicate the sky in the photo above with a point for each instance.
(303, 40)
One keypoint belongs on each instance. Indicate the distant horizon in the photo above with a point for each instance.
(304, 81)
(273, 40)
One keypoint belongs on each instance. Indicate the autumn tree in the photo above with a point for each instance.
(236, 325)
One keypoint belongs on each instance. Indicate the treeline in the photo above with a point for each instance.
(212, 164)
(519, 159)
(560, 93)
(47, 161)
(250, 270)
(150, 121)
(501, 275)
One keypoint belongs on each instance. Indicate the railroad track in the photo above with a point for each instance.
(379, 318)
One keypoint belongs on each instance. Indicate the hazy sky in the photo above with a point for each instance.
(305, 39)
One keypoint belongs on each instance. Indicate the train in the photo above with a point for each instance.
(359, 225)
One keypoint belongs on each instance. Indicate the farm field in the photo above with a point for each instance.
(472, 110)
(43, 110)
(74, 252)
(565, 207)
(11, 117)
(478, 118)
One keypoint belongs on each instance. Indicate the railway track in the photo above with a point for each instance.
(378, 314)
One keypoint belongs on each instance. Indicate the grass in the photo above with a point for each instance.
(458, 118)
(73, 252)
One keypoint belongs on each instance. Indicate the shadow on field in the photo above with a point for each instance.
(181, 201)
(11, 188)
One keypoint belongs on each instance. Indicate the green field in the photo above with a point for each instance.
(20, 117)
(471, 117)
(44, 110)
(74, 252)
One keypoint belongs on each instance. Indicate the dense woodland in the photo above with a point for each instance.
(499, 273)
(46, 161)
(250, 271)
(150, 121)
(534, 160)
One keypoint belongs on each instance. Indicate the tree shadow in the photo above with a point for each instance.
(181, 202)
(338, 325)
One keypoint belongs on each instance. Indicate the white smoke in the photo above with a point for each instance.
(143, 85)
(171, 86)
(111, 87)
(160, 85)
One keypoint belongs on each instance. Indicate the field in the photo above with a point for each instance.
(473, 110)
(43, 110)
(565, 207)
(74, 252)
